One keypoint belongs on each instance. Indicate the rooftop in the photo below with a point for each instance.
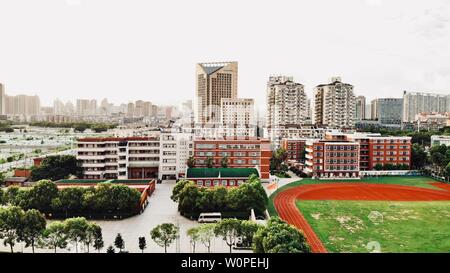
(220, 172)
(96, 181)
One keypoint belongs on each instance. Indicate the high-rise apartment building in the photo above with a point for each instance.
(335, 104)
(175, 150)
(415, 103)
(238, 112)
(286, 102)
(360, 108)
(22, 105)
(215, 81)
(374, 109)
(86, 107)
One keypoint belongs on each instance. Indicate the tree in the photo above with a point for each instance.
(98, 238)
(418, 156)
(206, 234)
(279, 237)
(33, 224)
(41, 195)
(56, 167)
(119, 242)
(246, 231)
(228, 229)
(76, 229)
(93, 235)
(142, 244)
(194, 236)
(447, 170)
(2, 179)
(164, 235)
(11, 224)
(179, 186)
(69, 199)
(55, 236)
(209, 162)
(224, 162)
(191, 162)
(110, 250)
(277, 159)
(379, 167)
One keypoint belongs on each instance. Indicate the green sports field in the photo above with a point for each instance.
(386, 226)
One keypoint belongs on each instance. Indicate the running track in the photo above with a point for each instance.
(285, 205)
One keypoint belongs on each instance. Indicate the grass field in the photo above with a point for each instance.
(350, 226)
(346, 226)
(416, 181)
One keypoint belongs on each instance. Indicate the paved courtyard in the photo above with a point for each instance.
(161, 209)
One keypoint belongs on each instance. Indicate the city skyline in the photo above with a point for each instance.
(395, 46)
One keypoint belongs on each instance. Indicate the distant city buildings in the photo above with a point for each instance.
(360, 108)
(415, 103)
(440, 140)
(335, 104)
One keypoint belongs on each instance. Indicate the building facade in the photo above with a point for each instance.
(389, 111)
(332, 158)
(215, 81)
(335, 104)
(360, 108)
(175, 150)
(295, 148)
(383, 150)
(119, 158)
(440, 140)
(241, 153)
(286, 102)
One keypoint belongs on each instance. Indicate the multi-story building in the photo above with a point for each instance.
(215, 81)
(22, 105)
(376, 149)
(238, 111)
(374, 109)
(415, 103)
(389, 111)
(335, 104)
(176, 148)
(286, 102)
(432, 121)
(334, 157)
(119, 158)
(295, 148)
(241, 153)
(440, 140)
(276, 135)
(86, 107)
(360, 108)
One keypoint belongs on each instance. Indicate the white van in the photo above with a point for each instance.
(210, 217)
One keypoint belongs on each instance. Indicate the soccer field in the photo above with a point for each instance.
(362, 223)
(365, 226)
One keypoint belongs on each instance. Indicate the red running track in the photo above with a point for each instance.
(285, 205)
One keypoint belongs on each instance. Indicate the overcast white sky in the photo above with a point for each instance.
(139, 49)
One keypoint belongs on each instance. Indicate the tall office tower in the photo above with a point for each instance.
(286, 102)
(2, 99)
(415, 103)
(360, 108)
(389, 111)
(238, 112)
(215, 81)
(335, 104)
(368, 109)
(374, 109)
(130, 109)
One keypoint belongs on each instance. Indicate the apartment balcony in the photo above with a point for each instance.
(93, 165)
(308, 150)
(110, 171)
(308, 156)
(308, 170)
(143, 164)
(90, 157)
(309, 163)
(93, 149)
(94, 173)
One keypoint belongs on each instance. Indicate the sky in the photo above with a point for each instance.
(126, 50)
